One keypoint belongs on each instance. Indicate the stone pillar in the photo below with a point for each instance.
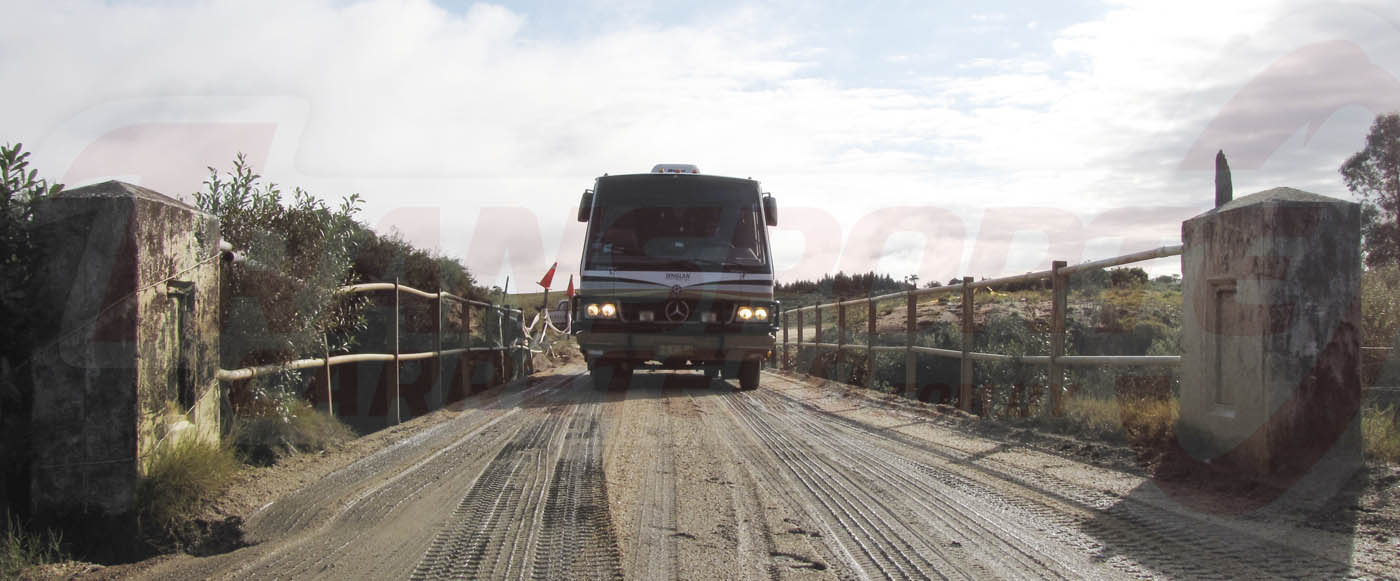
(130, 287)
(1270, 384)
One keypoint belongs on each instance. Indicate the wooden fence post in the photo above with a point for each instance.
(437, 361)
(870, 338)
(841, 370)
(501, 340)
(965, 382)
(468, 361)
(326, 349)
(799, 336)
(910, 368)
(816, 351)
(1059, 285)
(787, 361)
(394, 406)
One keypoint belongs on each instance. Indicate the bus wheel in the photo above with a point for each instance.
(748, 375)
(605, 375)
(711, 373)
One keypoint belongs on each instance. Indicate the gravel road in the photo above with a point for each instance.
(681, 478)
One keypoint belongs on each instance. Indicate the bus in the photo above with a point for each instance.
(676, 273)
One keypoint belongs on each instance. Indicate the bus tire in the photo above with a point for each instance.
(604, 375)
(748, 375)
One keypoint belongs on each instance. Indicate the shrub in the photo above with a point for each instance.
(21, 189)
(282, 303)
(1133, 277)
(1004, 383)
(264, 440)
(1380, 306)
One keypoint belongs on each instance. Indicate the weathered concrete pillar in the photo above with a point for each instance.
(1270, 384)
(130, 289)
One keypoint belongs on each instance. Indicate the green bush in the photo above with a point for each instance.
(1003, 383)
(21, 190)
(282, 302)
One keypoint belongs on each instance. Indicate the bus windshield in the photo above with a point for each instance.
(677, 223)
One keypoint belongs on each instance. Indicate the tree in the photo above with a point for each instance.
(1374, 174)
(20, 192)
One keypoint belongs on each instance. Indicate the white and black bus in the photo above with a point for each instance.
(677, 273)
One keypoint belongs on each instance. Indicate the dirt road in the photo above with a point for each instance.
(679, 478)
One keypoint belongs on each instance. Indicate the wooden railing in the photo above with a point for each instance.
(1058, 275)
(509, 337)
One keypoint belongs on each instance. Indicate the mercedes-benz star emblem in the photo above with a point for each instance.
(677, 311)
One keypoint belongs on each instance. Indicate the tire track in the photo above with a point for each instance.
(1130, 535)
(758, 488)
(999, 549)
(868, 528)
(538, 510)
(307, 507)
(997, 541)
(480, 528)
(578, 540)
(333, 519)
(655, 552)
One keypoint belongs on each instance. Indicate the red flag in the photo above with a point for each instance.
(548, 277)
(570, 293)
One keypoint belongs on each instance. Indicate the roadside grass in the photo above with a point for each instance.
(1380, 433)
(1136, 419)
(263, 440)
(1148, 420)
(180, 478)
(23, 549)
(1094, 415)
(183, 478)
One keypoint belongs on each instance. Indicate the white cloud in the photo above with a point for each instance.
(413, 105)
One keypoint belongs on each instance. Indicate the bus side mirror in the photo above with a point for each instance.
(770, 210)
(585, 206)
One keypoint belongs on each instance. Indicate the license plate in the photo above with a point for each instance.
(666, 351)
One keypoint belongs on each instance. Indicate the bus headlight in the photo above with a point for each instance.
(600, 311)
(751, 314)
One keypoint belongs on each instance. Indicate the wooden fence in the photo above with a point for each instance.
(508, 340)
(1058, 275)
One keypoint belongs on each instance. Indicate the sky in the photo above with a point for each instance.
(937, 139)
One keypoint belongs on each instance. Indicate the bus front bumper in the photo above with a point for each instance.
(674, 349)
